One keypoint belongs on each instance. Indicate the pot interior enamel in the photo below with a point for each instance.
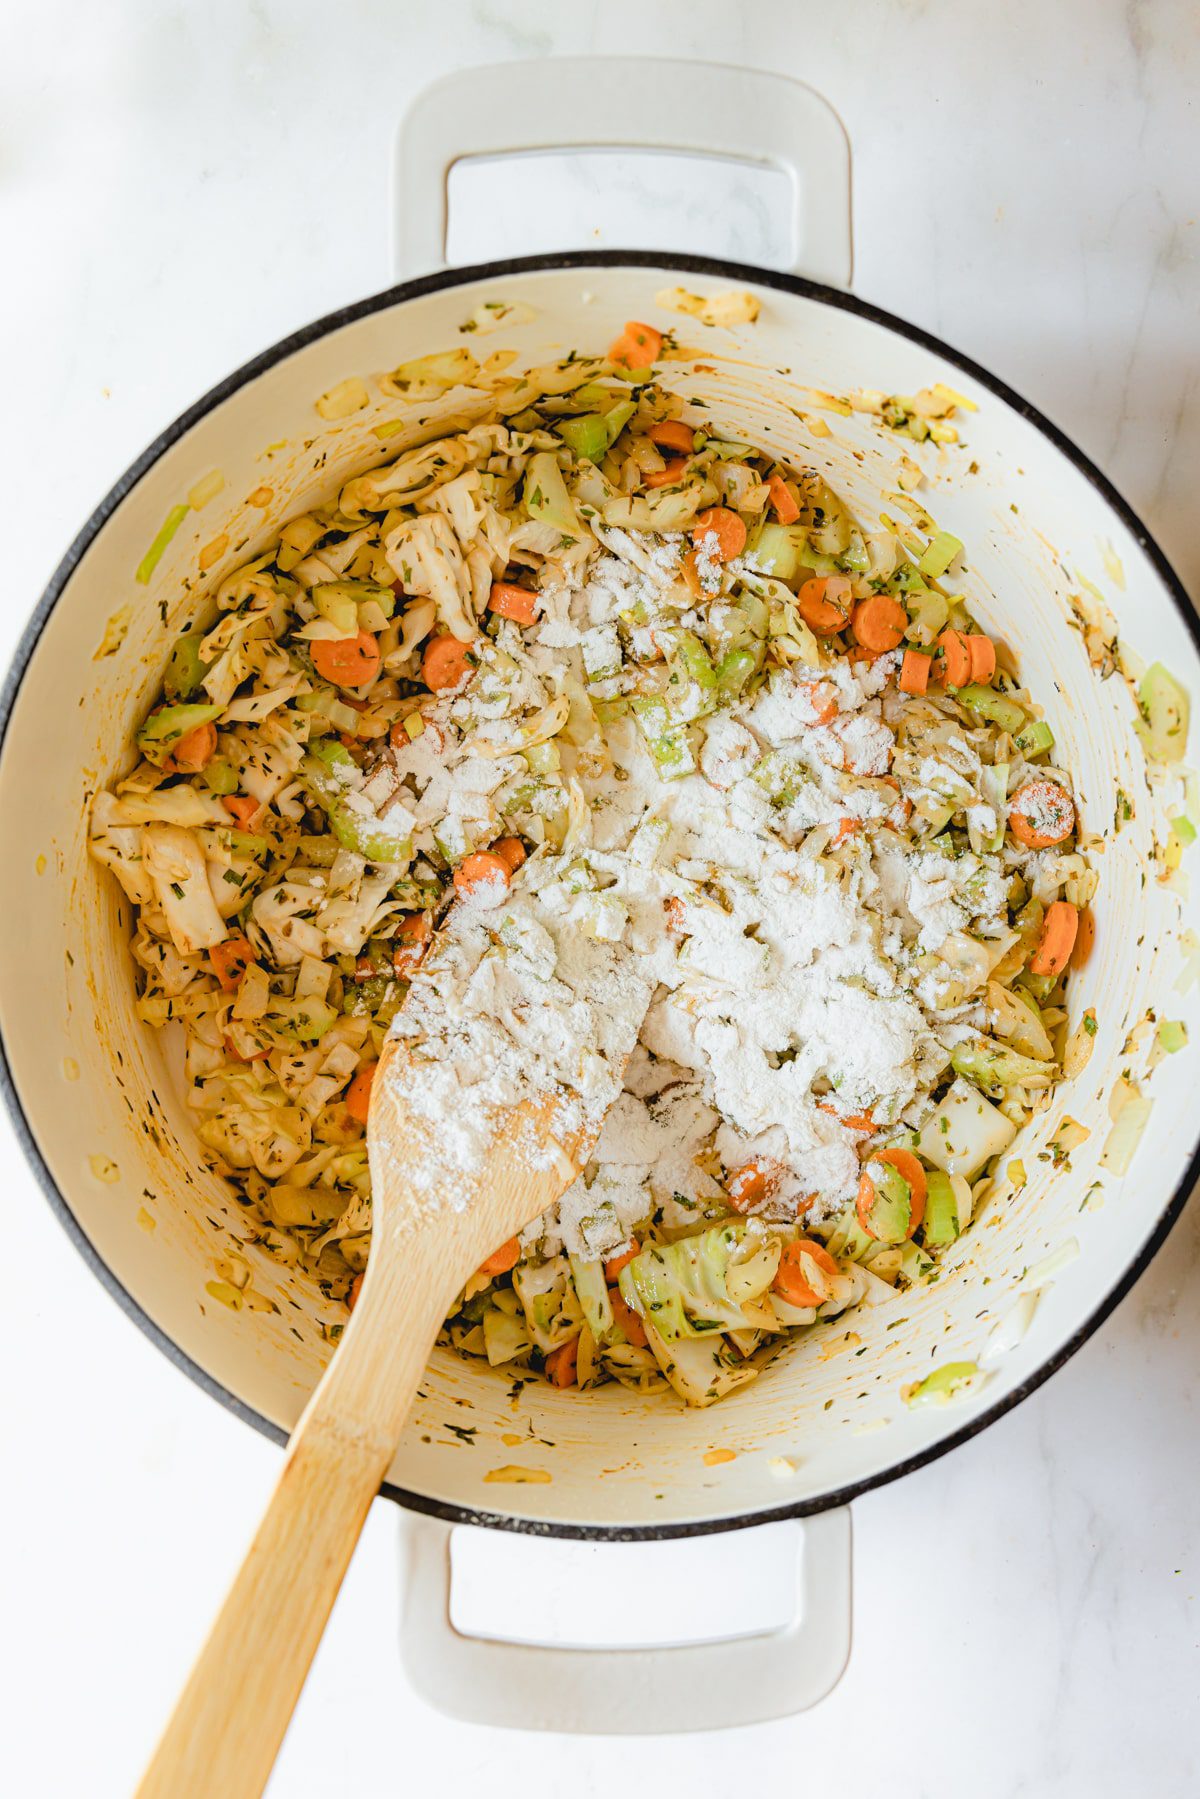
(108, 1121)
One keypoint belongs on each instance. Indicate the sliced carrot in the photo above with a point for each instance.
(673, 434)
(614, 1264)
(880, 623)
(509, 600)
(481, 871)
(982, 652)
(241, 807)
(1086, 938)
(910, 1170)
(824, 602)
(822, 697)
(355, 1290)
(562, 1364)
(1041, 815)
(502, 1259)
(914, 672)
(511, 852)
(347, 661)
(358, 1093)
(854, 1121)
(846, 828)
(446, 662)
(193, 751)
(691, 574)
(627, 1318)
(411, 941)
(791, 1282)
(956, 658)
(728, 529)
(666, 477)
(637, 347)
(753, 1182)
(783, 501)
(231, 959)
(1060, 927)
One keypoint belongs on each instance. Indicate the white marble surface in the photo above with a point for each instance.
(180, 184)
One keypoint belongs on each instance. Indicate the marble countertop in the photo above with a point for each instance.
(180, 185)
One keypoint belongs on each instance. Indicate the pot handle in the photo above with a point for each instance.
(629, 1691)
(618, 102)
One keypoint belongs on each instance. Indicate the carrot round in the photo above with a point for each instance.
(355, 1290)
(614, 1264)
(673, 434)
(230, 960)
(956, 658)
(446, 662)
(482, 872)
(562, 1364)
(666, 477)
(502, 1259)
(726, 526)
(982, 652)
(410, 943)
(823, 603)
(627, 1318)
(637, 347)
(358, 1093)
(783, 501)
(790, 1282)
(914, 672)
(241, 808)
(822, 697)
(846, 827)
(509, 600)
(750, 1184)
(347, 661)
(1041, 815)
(194, 750)
(1060, 927)
(853, 1121)
(910, 1170)
(511, 852)
(880, 623)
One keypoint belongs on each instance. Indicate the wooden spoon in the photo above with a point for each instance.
(426, 1242)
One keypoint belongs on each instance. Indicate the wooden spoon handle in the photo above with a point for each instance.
(231, 1717)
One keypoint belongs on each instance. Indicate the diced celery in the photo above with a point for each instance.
(942, 1384)
(166, 532)
(737, 669)
(304, 1020)
(601, 649)
(667, 741)
(780, 550)
(586, 437)
(543, 758)
(941, 1210)
(994, 1066)
(1172, 1036)
(780, 776)
(989, 704)
(220, 776)
(185, 669)
(1163, 726)
(927, 613)
(1034, 739)
(1184, 829)
(939, 554)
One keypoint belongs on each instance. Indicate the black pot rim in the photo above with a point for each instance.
(269, 358)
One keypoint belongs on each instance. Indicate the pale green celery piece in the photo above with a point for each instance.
(996, 707)
(927, 614)
(608, 710)
(939, 554)
(543, 758)
(164, 728)
(1163, 726)
(856, 557)
(725, 450)
(780, 776)
(667, 741)
(1183, 828)
(601, 650)
(304, 1020)
(185, 669)
(585, 437)
(648, 840)
(546, 498)
(1036, 987)
(737, 669)
(940, 1224)
(616, 419)
(942, 1384)
(915, 1264)
(775, 550)
(153, 556)
(891, 1208)
(330, 774)
(1172, 1036)
(995, 1067)
(220, 776)
(592, 1294)
(335, 606)
(1034, 739)
(529, 420)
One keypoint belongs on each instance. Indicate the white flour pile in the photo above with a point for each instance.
(789, 996)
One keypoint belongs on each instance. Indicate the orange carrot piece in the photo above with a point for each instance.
(193, 751)
(956, 658)
(511, 852)
(783, 501)
(481, 870)
(666, 477)
(982, 652)
(1060, 927)
(562, 1364)
(673, 434)
(824, 604)
(691, 574)
(231, 959)
(728, 528)
(790, 1280)
(854, 1121)
(910, 1170)
(355, 1290)
(347, 661)
(614, 1264)
(846, 828)
(753, 1182)
(502, 1259)
(358, 1093)
(637, 347)
(914, 672)
(1041, 815)
(822, 697)
(627, 1318)
(446, 662)
(509, 600)
(1086, 938)
(880, 623)
(242, 808)
(410, 943)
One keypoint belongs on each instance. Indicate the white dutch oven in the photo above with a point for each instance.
(106, 1130)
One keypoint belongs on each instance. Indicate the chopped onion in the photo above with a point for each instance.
(1131, 1111)
(1008, 1331)
(1043, 1272)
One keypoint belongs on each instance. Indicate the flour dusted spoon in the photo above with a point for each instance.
(432, 1228)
